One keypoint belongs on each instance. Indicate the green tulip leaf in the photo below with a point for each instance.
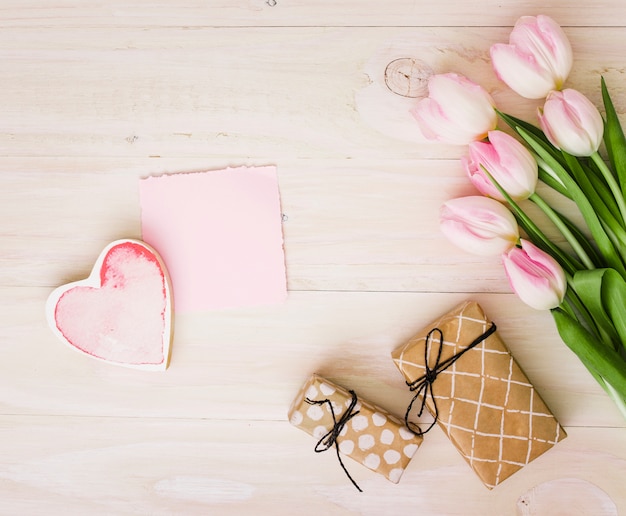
(588, 285)
(614, 139)
(598, 358)
(614, 299)
(598, 202)
(599, 184)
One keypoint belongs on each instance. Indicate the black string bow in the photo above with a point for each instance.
(423, 386)
(330, 438)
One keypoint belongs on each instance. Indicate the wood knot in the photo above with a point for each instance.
(408, 77)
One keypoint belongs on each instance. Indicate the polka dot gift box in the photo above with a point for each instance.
(366, 433)
(483, 400)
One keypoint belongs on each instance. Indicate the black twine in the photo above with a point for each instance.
(330, 438)
(423, 386)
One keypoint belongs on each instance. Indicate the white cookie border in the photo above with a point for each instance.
(93, 280)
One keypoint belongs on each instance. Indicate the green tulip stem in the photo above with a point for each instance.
(565, 231)
(612, 183)
(617, 399)
(535, 234)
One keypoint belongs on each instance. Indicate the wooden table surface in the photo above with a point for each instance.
(96, 95)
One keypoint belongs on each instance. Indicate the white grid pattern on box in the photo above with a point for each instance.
(501, 437)
(512, 437)
(456, 374)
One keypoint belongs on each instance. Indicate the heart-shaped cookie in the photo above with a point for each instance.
(122, 312)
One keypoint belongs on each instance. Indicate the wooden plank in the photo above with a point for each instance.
(248, 364)
(262, 93)
(129, 466)
(220, 13)
(97, 95)
(349, 224)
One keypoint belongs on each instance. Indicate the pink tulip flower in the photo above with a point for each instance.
(535, 276)
(571, 122)
(479, 225)
(537, 59)
(507, 160)
(456, 111)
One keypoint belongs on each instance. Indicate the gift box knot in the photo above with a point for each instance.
(331, 437)
(423, 386)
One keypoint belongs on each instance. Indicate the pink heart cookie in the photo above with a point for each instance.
(122, 312)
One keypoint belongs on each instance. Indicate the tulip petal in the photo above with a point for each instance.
(520, 72)
(479, 225)
(509, 163)
(547, 263)
(535, 276)
(463, 98)
(571, 122)
(478, 178)
(456, 111)
(437, 126)
(537, 59)
(533, 290)
(544, 39)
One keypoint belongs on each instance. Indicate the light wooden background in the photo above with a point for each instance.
(95, 95)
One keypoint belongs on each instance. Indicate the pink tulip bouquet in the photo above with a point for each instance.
(584, 284)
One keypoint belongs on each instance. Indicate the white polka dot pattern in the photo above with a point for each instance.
(392, 456)
(379, 419)
(372, 461)
(373, 437)
(315, 412)
(326, 389)
(409, 450)
(387, 436)
(359, 423)
(319, 431)
(296, 418)
(366, 441)
(346, 446)
(405, 433)
(395, 474)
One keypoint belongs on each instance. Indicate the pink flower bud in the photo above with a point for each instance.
(479, 225)
(535, 276)
(537, 59)
(507, 160)
(571, 122)
(456, 111)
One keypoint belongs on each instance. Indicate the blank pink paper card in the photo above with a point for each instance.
(220, 235)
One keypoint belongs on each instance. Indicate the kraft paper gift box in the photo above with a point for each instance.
(483, 401)
(373, 437)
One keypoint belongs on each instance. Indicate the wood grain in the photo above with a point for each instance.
(167, 92)
(178, 466)
(97, 95)
(300, 13)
